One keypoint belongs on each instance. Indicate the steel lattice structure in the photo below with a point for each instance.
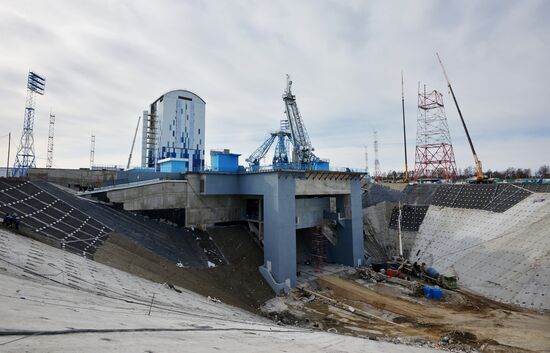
(377, 171)
(49, 163)
(434, 157)
(25, 157)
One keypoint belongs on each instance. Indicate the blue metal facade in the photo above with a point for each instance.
(175, 128)
(223, 161)
(173, 165)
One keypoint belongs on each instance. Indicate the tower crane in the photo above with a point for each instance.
(479, 169)
(302, 148)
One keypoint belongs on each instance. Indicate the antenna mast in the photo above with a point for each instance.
(406, 176)
(92, 151)
(377, 173)
(49, 163)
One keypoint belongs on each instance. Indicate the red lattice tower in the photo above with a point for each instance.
(434, 157)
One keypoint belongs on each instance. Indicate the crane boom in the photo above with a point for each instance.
(303, 150)
(479, 169)
(256, 156)
(133, 143)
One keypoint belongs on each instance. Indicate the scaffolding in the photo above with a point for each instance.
(319, 249)
(434, 156)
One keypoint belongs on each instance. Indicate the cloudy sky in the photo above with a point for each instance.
(106, 61)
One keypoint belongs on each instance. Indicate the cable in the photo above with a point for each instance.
(145, 302)
(27, 334)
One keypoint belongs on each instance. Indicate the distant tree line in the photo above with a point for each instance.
(543, 172)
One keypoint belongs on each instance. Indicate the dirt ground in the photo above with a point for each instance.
(238, 283)
(386, 310)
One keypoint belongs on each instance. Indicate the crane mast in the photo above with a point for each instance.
(302, 148)
(479, 169)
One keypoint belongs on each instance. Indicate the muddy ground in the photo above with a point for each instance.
(238, 282)
(392, 312)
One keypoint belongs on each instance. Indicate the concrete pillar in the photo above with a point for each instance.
(349, 249)
(279, 209)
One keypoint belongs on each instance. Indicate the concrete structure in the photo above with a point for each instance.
(494, 237)
(74, 178)
(174, 127)
(502, 255)
(224, 161)
(84, 306)
(274, 204)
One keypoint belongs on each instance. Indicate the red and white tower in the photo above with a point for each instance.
(434, 157)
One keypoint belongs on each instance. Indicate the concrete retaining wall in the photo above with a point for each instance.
(504, 256)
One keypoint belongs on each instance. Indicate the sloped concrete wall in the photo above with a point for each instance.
(161, 195)
(504, 256)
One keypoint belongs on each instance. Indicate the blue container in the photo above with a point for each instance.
(435, 293)
(427, 292)
(432, 272)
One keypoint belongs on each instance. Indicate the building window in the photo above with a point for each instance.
(199, 131)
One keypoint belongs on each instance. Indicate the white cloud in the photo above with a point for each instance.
(106, 61)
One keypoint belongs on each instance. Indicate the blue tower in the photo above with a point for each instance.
(25, 158)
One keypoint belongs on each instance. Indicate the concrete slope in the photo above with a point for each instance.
(504, 256)
(173, 243)
(53, 300)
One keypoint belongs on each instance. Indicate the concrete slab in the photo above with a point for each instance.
(504, 256)
(53, 300)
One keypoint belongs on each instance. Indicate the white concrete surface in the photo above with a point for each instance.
(95, 308)
(504, 256)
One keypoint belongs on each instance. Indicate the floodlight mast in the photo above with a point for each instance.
(479, 170)
(25, 157)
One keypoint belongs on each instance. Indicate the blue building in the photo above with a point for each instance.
(173, 165)
(224, 161)
(174, 127)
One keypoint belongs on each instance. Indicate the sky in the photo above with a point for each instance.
(106, 61)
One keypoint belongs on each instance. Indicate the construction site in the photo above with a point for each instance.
(292, 255)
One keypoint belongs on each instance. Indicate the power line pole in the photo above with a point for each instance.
(25, 158)
(49, 163)
(92, 151)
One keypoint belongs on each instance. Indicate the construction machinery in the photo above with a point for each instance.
(133, 143)
(302, 148)
(292, 131)
(479, 170)
(280, 158)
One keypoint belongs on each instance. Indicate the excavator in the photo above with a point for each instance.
(480, 178)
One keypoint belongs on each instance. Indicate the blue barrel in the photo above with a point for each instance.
(432, 272)
(427, 291)
(437, 293)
